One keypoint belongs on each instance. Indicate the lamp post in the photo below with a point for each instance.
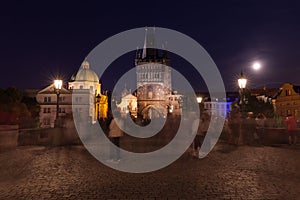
(57, 89)
(242, 82)
(199, 101)
(98, 99)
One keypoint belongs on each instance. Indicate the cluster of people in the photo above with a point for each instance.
(200, 128)
(232, 129)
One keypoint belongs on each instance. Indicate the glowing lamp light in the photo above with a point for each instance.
(171, 108)
(242, 81)
(58, 84)
(199, 99)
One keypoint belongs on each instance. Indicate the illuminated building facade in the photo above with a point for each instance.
(83, 92)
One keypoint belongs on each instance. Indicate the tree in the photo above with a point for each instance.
(254, 105)
(12, 110)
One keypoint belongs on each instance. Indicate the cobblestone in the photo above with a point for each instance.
(227, 173)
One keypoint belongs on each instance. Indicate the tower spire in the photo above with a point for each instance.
(144, 54)
(137, 53)
(149, 49)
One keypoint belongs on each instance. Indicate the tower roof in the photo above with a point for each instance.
(150, 53)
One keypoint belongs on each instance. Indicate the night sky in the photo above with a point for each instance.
(42, 39)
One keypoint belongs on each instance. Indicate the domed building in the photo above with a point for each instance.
(83, 92)
(85, 78)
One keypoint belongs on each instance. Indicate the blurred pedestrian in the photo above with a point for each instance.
(201, 132)
(291, 124)
(115, 133)
(235, 126)
(260, 127)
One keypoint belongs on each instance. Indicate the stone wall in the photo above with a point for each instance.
(49, 136)
(8, 136)
(270, 135)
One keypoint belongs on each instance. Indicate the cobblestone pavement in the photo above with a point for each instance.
(227, 173)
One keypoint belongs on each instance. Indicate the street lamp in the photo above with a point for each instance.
(242, 82)
(57, 89)
(199, 99)
(98, 101)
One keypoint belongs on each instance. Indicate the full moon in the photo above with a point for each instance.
(256, 66)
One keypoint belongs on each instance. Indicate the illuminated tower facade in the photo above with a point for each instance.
(153, 78)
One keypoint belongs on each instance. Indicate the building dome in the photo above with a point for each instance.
(85, 74)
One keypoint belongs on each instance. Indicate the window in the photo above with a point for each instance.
(49, 110)
(78, 99)
(46, 121)
(288, 92)
(81, 87)
(61, 99)
(45, 110)
(47, 99)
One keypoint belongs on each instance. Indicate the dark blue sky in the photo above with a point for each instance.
(43, 38)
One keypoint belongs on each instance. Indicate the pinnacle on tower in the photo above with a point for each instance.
(149, 50)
